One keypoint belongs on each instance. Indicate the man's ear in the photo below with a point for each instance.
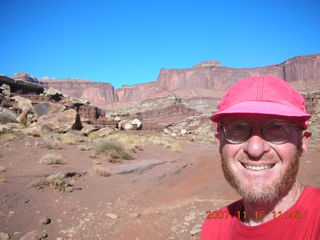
(306, 136)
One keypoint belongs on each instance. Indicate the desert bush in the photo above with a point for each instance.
(104, 172)
(113, 150)
(51, 144)
(54, 181)
(51, 159)
(136, 142)
(69, 138)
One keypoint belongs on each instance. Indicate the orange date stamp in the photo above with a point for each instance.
(219, 214)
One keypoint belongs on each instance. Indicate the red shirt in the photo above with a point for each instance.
(301, 221)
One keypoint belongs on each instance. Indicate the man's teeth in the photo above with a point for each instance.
(257, 168)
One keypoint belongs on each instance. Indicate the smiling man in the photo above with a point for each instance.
(262, 133)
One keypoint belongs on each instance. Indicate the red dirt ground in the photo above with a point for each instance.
(167, 201)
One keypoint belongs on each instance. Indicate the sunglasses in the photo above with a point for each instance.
(276, 131)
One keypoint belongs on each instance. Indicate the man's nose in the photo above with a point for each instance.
(255, 146)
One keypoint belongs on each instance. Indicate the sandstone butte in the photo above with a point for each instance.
(205, 80)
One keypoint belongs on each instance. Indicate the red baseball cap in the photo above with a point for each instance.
(263, 95)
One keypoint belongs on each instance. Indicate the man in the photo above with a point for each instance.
(262, 133)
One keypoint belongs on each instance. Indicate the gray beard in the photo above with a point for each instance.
(279, 188)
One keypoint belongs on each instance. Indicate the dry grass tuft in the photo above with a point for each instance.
(51, 159)
(9, 136)
(175, 147)
(54, 181)
(113, 150)
(136, 142)
(104, 172)
(51, 144)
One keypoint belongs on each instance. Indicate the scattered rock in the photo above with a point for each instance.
(191, 216)
(112, 215)
(134, 215)
(34, 235)
(196, 229)
(4, 236)
(44, 221)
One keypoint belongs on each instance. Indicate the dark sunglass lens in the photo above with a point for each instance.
(276, 131)
(237, 131)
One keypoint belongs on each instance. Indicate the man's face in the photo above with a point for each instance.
(258, 169)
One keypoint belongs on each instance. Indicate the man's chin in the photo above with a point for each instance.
(258, 190)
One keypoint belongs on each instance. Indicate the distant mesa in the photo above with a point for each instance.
(207, 64)
(206, 80)
(26, 77)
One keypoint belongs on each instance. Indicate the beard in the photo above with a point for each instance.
(259, 191)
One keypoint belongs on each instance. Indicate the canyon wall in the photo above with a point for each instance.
(205, 80)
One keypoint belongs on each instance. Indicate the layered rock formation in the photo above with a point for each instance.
(205, 82)
(96, 92)
(209, 79)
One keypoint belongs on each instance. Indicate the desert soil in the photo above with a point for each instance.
(167, 199)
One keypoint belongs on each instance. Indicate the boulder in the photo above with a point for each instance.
(4, 129)
(23, 103)
(7, 116)
(5, 90)
(137, 124)
(87, 129)
(32, 131)
(104, 132)
(57, 118)
(53, 94)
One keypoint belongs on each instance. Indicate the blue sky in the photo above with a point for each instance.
(128, 42)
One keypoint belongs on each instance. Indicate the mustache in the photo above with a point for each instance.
(244, 158)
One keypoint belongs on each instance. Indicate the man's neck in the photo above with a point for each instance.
(257, 213)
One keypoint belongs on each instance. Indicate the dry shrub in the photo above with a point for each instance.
(176, 147)
(113, 150)
(104, 172)
(54, 181)
(51, 144)
(136, 142)
(51, 159)
(9, 136)
(69, 138)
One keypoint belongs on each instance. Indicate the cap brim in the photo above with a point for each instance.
(259, 107)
